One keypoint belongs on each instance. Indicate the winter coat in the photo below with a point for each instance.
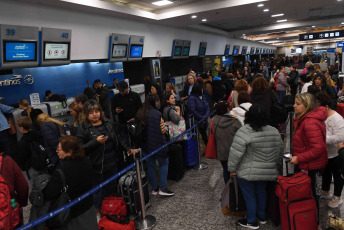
(198, 108)
(239, 112)
(51, 134)
(170, 114)
(263, 99)
(79, 177)
(309, 141)
(293, 81)
(87, 135)
(256, 156)
(152, 131)
(282, 84)
(218, 90)
(225, 127)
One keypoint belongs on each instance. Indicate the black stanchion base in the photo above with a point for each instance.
(143, 224)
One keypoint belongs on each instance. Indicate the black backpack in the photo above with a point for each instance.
(33, 115)
(39, 157)
(59, 97)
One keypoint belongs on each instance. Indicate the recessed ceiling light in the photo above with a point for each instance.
(260, 5)
(194, 16)
(342, 23)
(204, 20)
(283, 20)
(162, 3)
(277, 15)
(313, 26)
(243, 34)
(277, 38)
(266, 10)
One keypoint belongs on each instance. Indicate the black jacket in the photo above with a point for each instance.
(88, 134)
(293, 81)
(104, 100)
(22, 154)
(51, 134)
(130, 103)
(79, 177)
(329, 90)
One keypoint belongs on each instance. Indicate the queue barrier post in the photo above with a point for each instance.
(144, 221)
(201, 165)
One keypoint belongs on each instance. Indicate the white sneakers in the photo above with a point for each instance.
(335, 201)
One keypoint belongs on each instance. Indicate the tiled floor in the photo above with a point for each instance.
(196, 205)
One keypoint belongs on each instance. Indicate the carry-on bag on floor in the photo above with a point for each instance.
(129, 191)
(175, 162)
(106, 224)
(191, 152)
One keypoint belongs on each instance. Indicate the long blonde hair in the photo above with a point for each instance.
(44, 117)
(308, 100)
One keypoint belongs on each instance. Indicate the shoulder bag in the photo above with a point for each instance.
(210, 151)
(175, 130)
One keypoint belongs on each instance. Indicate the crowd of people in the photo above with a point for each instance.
(105, 134)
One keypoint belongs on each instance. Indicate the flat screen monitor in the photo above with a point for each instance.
(119, 51)
(252, 50)
(177, 51)
(227, 51)
(244, 50)
(56, 51)
(186, 51)
(257, 50)
(236, 50)
(202, 51)
(19, 51)
(298, 50)
(136, 51)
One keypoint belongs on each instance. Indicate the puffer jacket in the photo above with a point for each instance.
(198, 108)
(240, 111)
(87, 135)
(309, 141)
(51, 134)
(225, 127)
(256, 156)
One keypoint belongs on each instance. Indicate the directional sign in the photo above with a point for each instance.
(321, 35)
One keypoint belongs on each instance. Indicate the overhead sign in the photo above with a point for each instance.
(340, 44)
(321, 35)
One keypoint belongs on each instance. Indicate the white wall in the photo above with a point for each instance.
(90, 32)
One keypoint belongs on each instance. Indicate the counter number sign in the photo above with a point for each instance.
(65, 35)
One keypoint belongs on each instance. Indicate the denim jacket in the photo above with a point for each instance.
(3, 121)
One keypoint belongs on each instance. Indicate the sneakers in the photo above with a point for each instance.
(165, 192)
(155, 192)
(261, 221)
(326, 195)
(99, 216)
(243, 223)
(334, 202)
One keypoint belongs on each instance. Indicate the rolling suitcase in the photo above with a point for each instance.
(176, 162)
(191, 146)
(129, 191)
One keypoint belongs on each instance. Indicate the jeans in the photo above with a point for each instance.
(163, 168)
(333, 168)
(281, 95)
(225, 171)
(254, 193)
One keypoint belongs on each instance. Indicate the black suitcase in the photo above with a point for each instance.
(129, 191)
(176, 162)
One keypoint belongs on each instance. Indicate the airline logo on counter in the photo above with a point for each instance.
(115, 71)
(17, 80)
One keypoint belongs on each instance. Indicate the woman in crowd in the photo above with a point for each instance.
(76, 118)
(319, 85)
(261, 94)
(50, 130)
(254, 157)
(240, 85)
(244, 100)
(79, 177)
(198, 107)
(309, 141)
(188, 85)
(329, 81)
(317, 68)
(225, 126)
(305, 70)
(306, 81)
(171, 89)
(282, 84)
(293, 80)
(100, 142)
(154, 132)
(334, 136)
(24, 105)
(171, 112)
(155, 89)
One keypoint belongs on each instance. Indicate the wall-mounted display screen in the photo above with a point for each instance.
(257, 50)
(244, 50)
(227, 51)
(56, 51)
(252, 50)
(177, 51)
(136, 51)
(119, 51)
(202, 51)
(186, 51)
(298, 50)
(236, 50)
(19, 51)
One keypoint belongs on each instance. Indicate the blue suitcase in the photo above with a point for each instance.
(191, 152)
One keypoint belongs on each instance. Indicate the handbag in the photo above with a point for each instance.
(12, 130)
(62, 218)
(336, 222)
(210, 151)
(174, 130)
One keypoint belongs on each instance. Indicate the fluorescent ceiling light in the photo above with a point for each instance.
(277, 15)
(313, 26)
(204, 20)
(243, 34)
(194, 16)
(277, 38)
(162, 3)
(266, 10)
(342, 23)
(260, 5)
(283, 20)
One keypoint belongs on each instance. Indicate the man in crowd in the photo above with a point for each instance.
(79, 101)
(102, 92)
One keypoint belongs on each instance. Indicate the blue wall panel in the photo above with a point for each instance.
(69, 79)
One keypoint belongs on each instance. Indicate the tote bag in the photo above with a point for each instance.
(210, 151)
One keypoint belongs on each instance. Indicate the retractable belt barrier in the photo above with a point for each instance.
(99, 186)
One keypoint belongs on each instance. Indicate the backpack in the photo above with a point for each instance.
(33, 115)
(115, 209)
(59, 97)
(135, 130)
(5, 202)
(39, 156)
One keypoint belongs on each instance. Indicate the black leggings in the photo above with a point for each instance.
(333, 168)
(312, 174)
